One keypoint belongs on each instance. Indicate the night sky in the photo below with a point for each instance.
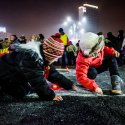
(45, 16)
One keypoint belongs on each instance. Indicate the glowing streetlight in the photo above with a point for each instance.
(71, 31)
(79, 23)
(90, 5)
(65, 23)
(69, 19)
(82, 31)
(84, 19)
(74, 28)
(3, 29)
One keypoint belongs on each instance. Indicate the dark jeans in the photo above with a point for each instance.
(109, 63)
(64, 59)
(71, 58)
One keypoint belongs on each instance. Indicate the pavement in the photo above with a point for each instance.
(77, 108)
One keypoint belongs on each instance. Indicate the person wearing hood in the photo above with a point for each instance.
(94, 58)
(27, 67)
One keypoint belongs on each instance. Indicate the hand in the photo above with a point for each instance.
(116, 53)
(99, 91)
(75, 54)
(58, 98)
(74, 87)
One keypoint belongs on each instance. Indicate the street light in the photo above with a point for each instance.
(84, 19)
(79, 23)
(3, 29)
(92, 17)
(65, 23)
(82, 10)
(69, 19)
(90, 5)
(74, 28)
(82, 31)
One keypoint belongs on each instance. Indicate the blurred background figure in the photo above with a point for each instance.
(64, 38)
(120, 39)
(120, 49)
(14, 39)
(33, 38)
(4, 45)
(1, 41)
(23, 39)
(71, 53)
(123, 55)
(100, 33)
(112, 41)
(77, 47)
(41, 38)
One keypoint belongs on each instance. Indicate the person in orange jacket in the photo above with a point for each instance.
(94, 58)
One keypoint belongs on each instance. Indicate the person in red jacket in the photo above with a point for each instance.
(94, 58)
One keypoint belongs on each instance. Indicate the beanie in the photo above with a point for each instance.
(53, 48)
(90, 44)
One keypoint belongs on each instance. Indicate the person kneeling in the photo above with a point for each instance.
(94, 58)
(27, 67)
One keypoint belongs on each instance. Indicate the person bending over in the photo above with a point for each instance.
(27, 67)
(94, 58)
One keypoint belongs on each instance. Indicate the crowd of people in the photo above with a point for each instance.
(118, 43)
(27, 65)
(70, 50)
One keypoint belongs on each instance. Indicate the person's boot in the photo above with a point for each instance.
(116, 82)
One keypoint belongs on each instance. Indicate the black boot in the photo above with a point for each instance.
(116, 82)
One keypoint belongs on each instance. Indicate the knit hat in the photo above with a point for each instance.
(91, 44)
(53, 48)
